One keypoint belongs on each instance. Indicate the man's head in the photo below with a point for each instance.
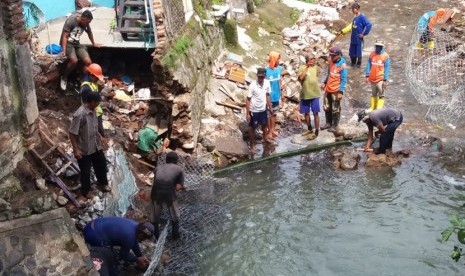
(172, 157)
(261, 74)
(355, 8)
(95, 72)
(363, 115)
(144, 231)
(310, 59)
(379, 46)
(85, 18)
(335, 53)
(91, 99)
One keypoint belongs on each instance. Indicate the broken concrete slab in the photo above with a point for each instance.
(232, 147)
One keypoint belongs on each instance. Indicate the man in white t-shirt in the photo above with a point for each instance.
(258, 100)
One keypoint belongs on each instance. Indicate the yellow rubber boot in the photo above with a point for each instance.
(373, 101)
(431, 45)
(380, 103)
(420, 46)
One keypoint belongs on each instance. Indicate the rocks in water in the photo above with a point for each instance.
(381, 160)
(231, 147)
(346, 160)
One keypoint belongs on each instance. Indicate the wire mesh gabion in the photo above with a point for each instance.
(435, 72)
(203, 214)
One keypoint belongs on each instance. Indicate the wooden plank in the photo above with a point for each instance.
(69, 163)
(48, 152)
(229, 105)
(50, 142)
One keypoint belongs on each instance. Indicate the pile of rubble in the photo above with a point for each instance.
(337, 4)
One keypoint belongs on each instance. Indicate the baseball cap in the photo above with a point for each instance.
(261, 72)
(362, 115)
(334, 51)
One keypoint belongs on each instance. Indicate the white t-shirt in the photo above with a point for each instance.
(257, 95)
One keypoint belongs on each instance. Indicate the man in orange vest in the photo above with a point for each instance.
(377, 73)
(427, 22)
(334, 86)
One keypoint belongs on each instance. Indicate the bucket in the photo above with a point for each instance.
(53, 49)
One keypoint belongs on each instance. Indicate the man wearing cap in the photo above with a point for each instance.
(121, 232)
(425, 25)
(256, 105)
(310, 95)
(168, 179)
(93, 85)
(360, 28)
(377, 73)
(87, 145)
(334, 86)
(73, 28)
(386, 120)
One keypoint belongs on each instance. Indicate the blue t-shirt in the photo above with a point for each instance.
(360, 25)
(274, 76)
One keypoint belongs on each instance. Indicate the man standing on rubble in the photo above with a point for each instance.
(360, 28)
(73, 28)
(310, 95)
(386, 120)
(93, 85)
(257, 106)
(334, 86)
(121, 232)
(87, 145)
(377, 74)
(169, 178)
(273, 74)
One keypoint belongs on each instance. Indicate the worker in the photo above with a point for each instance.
(425, 26)
(121, 232)
(93, 85)
(73, 28)
(310, 95)
(334, 86)
(257, 107)
(273, 74)
(386, 120)
(359, 28)
(150, 142)
(168, 179)
(88, 145)
(377, 73)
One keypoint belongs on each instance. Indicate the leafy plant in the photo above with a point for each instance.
(458, 227)
(294, 14)
(177, 51)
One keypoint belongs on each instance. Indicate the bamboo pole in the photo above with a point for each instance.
(291, 153)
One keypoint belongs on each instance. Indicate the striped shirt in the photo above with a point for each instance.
(85, 126)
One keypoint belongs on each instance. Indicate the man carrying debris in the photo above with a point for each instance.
(387, 120)
(149, 139)
(360, 28)
(93, 85)
(310, 95)
(377, 73)
(121, 232)
(73, 28)
(334, 86)
(87, 145)
(273, 75)
(169, 178)
(256, 105)
(425, 25)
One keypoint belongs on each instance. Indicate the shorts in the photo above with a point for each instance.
(377, 89)
(76, 50)
(310, 105)
(258, 118)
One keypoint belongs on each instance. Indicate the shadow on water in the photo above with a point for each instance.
(298, 217)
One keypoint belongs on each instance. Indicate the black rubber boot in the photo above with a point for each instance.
(329, 121)
(335, 122)
(359, 62)
(175, 230)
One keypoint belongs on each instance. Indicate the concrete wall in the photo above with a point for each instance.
(18, 103)
(45, 244)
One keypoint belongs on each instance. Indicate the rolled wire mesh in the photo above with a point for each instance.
(202, 217)
(157, 252)
(435, 72)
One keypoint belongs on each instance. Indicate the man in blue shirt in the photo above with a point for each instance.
(122, 232)
(273, 75)
(360, 28)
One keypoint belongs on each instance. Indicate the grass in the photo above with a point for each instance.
(176, 51)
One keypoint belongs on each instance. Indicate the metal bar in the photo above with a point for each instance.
(154, 24)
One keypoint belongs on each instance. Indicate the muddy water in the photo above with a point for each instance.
(298, 216)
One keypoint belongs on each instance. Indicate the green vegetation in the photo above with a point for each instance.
(458, 228)
(178, 50)
(230, 32)
(294, 14)
(200, 7)
(308, 1)
(217, 2)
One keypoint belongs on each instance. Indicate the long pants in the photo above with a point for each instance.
(158, 207)
(355, 53)
(386, 138)
(98, 161)
(101, 130)
(331, 104)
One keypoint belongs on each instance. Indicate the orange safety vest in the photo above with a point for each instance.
(377, 66)
(334, 79)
